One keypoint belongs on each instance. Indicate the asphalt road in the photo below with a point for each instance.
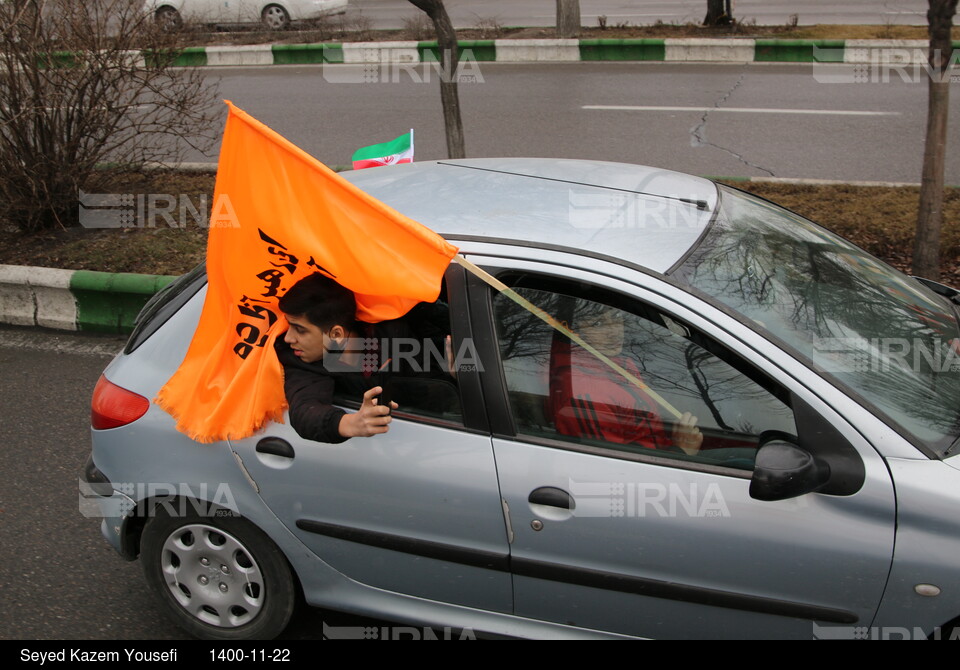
(706, 119)
(59, 579)
(468, 13)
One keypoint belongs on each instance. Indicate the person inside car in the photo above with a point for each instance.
(327, 352)
(589, 399)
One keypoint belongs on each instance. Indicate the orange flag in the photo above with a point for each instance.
(278, 216)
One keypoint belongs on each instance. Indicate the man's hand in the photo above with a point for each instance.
(451, 359)
(686, 435)
(370, 420)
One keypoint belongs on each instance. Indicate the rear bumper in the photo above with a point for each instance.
(99, 499)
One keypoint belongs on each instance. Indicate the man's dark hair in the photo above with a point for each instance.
(322, 301)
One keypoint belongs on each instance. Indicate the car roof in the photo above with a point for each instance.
(642, 215)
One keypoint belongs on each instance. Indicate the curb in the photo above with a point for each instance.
(74, 299)
(725, 50)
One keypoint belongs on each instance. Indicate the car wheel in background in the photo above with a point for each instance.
(169, 19)
(221, 577)
(275, 17)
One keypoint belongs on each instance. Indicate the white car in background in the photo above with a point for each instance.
(272, 14)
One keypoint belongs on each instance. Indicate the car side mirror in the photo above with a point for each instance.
(783, 471)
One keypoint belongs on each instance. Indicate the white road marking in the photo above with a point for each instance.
(744, 110)
(662, 15)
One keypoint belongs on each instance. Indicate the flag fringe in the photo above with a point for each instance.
(275, 415)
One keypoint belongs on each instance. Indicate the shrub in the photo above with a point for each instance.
(83, 85)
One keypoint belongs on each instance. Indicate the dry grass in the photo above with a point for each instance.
(828, 32)
(359, 31)
(881, 220)
(160, 250)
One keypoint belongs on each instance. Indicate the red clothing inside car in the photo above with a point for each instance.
(589, 399)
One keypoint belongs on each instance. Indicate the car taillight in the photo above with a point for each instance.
(113, 406)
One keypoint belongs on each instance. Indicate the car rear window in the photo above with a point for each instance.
(165, 304)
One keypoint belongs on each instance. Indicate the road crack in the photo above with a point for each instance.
(698, 134)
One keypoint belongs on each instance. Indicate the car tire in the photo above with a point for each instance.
(275, 17)
(168, 19)
(220, 577)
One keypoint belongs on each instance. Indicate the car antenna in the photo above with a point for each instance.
(700, 204)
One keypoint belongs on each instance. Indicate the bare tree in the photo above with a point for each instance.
(82, 85)
(719, 13)
(568, 18)
(450, 64)
(926, 246)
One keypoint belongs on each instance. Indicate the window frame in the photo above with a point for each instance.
(468, 384)
(496, 390)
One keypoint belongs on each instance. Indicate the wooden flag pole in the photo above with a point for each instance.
(559, 327)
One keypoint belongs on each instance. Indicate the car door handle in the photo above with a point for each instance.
(275, 447)
(551, 497)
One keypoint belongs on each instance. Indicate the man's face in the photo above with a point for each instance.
(605, 331)
(308, 341)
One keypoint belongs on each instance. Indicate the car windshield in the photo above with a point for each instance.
(882, 335)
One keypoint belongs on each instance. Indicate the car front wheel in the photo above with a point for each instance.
(221, 578)
(275, 17)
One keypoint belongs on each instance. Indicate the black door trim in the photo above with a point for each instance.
(599, 579)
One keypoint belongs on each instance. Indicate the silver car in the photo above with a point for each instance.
(544, 492)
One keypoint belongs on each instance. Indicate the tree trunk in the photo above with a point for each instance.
(926, 246)
(568, 18)
(717, 14)
(450, 63)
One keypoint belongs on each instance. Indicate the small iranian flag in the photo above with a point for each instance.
(390, 153)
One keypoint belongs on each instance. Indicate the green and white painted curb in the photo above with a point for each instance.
(74, 299)
(732, 50)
